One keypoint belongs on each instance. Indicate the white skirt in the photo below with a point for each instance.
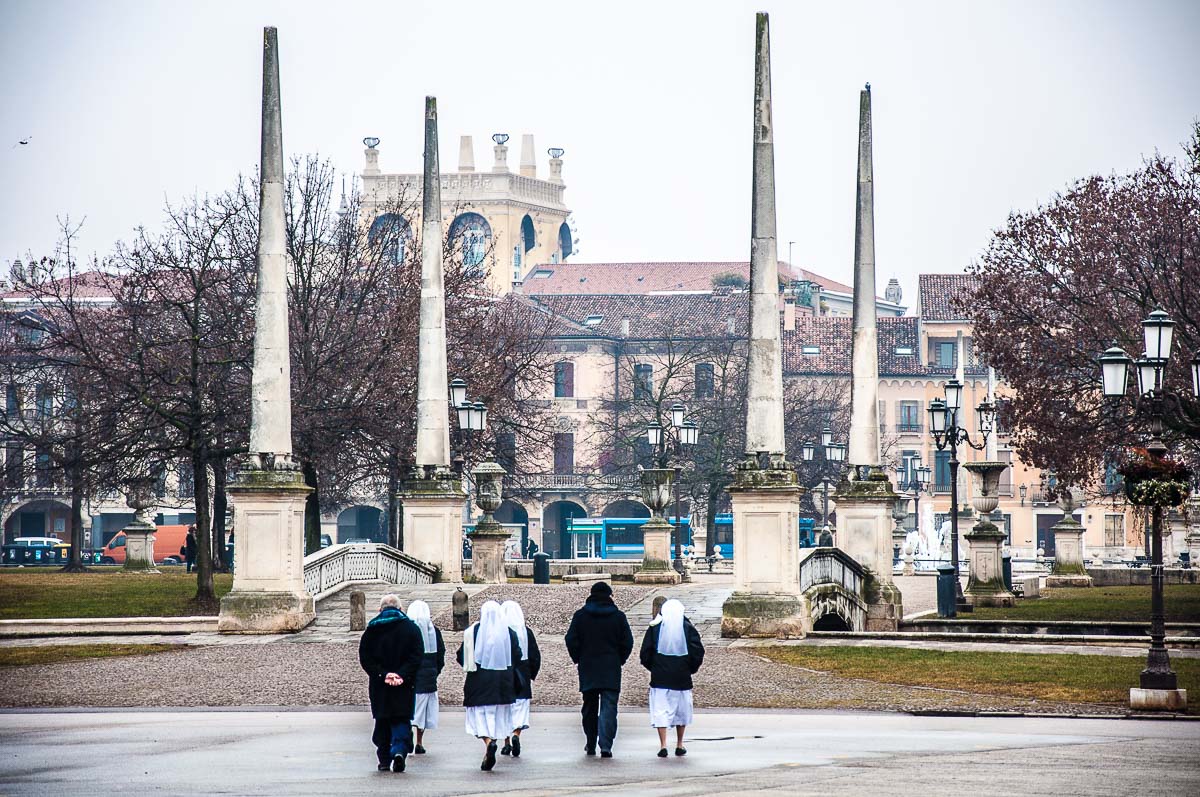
(670, 707)
(520, 713)
(425, 713)
(494, 722)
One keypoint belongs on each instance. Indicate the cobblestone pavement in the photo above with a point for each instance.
(979, 647)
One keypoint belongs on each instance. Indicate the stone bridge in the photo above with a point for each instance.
(833, 586)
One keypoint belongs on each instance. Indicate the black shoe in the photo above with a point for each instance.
(606, 753)
(680, 751)
(506, 749)
(589, 750)
(516, 747)
(398, 763)
(384, 766)
(489, 760)
(662, 753)
(419, 750)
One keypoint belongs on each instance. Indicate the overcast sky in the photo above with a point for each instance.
(979, 108)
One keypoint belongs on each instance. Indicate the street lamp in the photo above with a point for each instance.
(826, 436)
(472, 417)
(836, 452)
(915, 478)
(458, 392)
(1024, 488)
(1157, 330)
(947, 432)
(807, 451)
(687, 433)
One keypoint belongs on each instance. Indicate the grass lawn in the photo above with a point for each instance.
(51, 654)
(36, 593)
(1182, 603)
(1068, 678)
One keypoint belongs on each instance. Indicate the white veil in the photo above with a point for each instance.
(418, 612)
(671, 639)
(515, 617)
(492, 647)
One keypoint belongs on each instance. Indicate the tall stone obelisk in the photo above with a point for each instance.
(865, 495)
(766, 497)
(433, 495)
(268, 495)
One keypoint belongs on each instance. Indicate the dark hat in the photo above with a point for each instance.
(602, 589)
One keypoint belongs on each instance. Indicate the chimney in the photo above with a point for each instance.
(624, 327)
(730, 326)
(555, 154)
(528, 164)
(501, 150)
(789, 317)
(466, 154)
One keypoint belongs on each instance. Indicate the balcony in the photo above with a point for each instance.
(572, 482)
(910, 428)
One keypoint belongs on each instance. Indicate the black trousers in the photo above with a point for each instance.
(600, 717)
(392, 737)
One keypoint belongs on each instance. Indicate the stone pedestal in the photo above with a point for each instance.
(268, 595)
(865, 533)
(766, 567)
(433, 516)
(487, 552)
(1068, 569)
(656, 561)
(985, 580)
(1158, 699)
(139, 547)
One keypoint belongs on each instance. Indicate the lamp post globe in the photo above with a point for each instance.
(458, 392)
(689, 433)
(1114, 371)
(654, 434)
(923, 474)
(937, 416)
(479, 416)
(1196, 375)
(807, 451)
(678, 411)
(954, 392)
(1158, 329)
(827, 436)
(464, 410)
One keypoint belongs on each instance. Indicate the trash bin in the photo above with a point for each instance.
(945, 590)
(1006, 567)
(541, 568)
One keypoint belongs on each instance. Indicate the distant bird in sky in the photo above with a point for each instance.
(22, 142)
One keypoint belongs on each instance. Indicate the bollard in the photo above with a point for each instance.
(541, 568)
(1006, 567)
(461, 608)
(358, 610)
(945, 590)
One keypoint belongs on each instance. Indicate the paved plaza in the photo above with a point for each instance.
(306, 752)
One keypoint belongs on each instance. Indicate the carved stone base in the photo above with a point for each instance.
(1158, 699)
(433, 515)
(865, 523)
(139, 547)
(487, 553)
(1067, 581)
(656, 562)
(770, 615)
(985, 582)
(265, 612)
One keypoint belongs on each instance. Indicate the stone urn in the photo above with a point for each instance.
(656, 567)
(985, 581)
(139, 535)
(489, 538)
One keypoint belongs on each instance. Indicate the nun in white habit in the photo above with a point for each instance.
(527, 670)
(672, 652)
(489, 655)
(425, 713)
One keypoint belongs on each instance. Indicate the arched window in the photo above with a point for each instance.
(390, 232)
(471, 233)
(528, 236)
(565, 242)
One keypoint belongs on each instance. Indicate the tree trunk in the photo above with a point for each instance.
(206, 596)
(76, 563)
(395, 538)
(312, 510)
(220, 506)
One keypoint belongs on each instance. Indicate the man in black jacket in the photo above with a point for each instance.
(599, 641)
(390, 652)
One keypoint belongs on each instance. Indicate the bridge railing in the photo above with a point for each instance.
(831, 566)
(329, 569)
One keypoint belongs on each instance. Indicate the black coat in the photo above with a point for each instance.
(391, 643)
(431, 666)
(529, 668)
(672, 672)
(491, 687)
(599, 641)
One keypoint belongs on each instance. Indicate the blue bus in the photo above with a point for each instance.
(621, 538)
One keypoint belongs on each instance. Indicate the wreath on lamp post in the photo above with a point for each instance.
(1155, 481)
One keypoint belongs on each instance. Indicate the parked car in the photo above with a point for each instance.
(167, 542)
(37, 542)
(326, 540)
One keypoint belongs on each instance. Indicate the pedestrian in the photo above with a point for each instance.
(656, 609)
(189, 548)
(426, 708)
(390, 652)
(599, 641)
(672, 652)
(527, 670)
(489, 654)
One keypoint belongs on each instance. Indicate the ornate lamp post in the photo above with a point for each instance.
(686, 433)
(1154, 481)
(835, 454)
(947, 433)
(910, 477)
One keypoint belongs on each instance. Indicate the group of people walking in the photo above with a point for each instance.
(403, 655)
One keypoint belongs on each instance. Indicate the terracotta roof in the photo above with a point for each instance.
(654, 317)
(83, 285)
(821, 346)
(937, 292)
(642, 278)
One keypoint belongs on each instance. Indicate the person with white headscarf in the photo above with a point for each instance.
(489, 655)
(527, 670)
(425, 712)
(672, 652)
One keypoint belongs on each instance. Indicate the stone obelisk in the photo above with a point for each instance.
(433, 495)
(865, 495)
(268, 495)
(765, 494)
